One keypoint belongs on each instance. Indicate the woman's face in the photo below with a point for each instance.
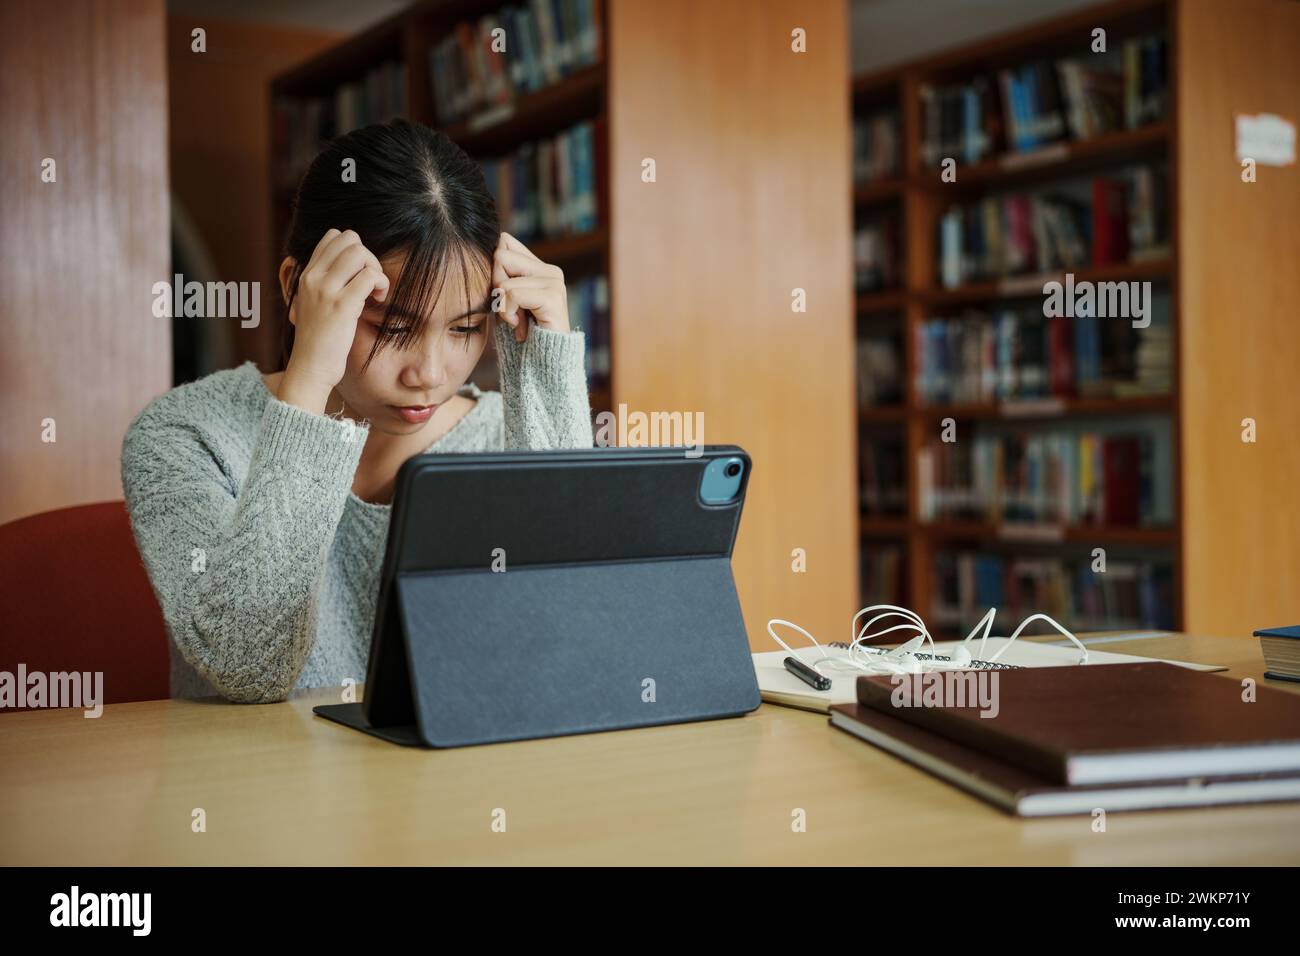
(401, 388)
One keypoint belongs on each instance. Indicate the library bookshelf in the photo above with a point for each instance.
(573, 94)
(901, 546)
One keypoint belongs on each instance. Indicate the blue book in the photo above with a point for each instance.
(988, 581)
(586, 176)
(1013, 94)
(1025, 94)
(971, 126)
(1018, 111)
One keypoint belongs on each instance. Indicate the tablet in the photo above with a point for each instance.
(542, 593)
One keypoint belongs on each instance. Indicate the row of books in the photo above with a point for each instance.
(880, 370)
(877, 147)
(882, 476)
(881, 577)
(1070, 478)
(481, 66)
(1017, 353)
(1043, 102)
(959, 122)
(1115, 219)
(1106, 92)
(549, 187)
(876, 262)
(1131, 594)
(1130, 216)
(303, 124)
(589, 313)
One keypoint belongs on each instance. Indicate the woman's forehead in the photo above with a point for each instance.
(453, 296)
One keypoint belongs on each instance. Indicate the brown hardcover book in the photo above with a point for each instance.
(1108, 723)
(1031, 795)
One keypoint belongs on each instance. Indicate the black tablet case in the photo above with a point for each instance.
(616, 571)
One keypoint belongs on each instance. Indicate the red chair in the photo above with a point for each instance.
(74, 596)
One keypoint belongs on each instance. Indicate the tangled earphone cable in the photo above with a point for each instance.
(906, 658)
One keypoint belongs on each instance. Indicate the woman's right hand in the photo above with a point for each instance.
(332, 290)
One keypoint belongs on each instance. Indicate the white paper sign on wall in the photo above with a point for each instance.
(1266, 138)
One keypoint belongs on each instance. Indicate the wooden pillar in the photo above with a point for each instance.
(1238, 245)
(751, 148)
(83, 84)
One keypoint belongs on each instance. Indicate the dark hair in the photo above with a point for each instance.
(415, 191)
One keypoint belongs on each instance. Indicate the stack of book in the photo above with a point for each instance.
(1011, 235)
(1131, 593)
(1146, 80)
(481, 66)
(1093, 89)
(882, 477)
(1153, 372)
(302, 125)
(1066, 478)
(1016, 353)
(1040, 103)
(1032, 106)
(880, 370)
(875, 254)
(1129, 216)
(1148, 213)
(876, 147)
(549, 188)
(1044, 741)
(959, 122)
(1108, 220)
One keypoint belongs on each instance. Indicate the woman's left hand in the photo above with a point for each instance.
(528, 286)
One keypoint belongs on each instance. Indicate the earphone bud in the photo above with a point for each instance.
(960, 657)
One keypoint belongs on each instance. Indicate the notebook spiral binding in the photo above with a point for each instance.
(973, 665)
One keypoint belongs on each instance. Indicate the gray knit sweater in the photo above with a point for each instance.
(265, 563)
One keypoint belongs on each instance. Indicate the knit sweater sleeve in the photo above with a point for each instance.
(237, 571)
(543, 389)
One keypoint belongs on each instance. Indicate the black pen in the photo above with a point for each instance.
(806, 674)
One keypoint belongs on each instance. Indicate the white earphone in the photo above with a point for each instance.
(907, 658)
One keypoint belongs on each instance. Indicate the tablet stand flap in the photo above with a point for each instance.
(541, 651)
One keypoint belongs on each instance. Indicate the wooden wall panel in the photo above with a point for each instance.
(752, 149)
(83, 83)
(1239, 273)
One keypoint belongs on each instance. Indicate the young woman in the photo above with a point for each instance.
(260, 503)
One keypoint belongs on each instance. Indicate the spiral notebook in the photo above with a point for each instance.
(778, 686)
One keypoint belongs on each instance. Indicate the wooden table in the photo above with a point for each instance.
(282, 786)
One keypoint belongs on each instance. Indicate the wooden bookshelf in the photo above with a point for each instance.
(574, 98)
(888, 300)
(921, 196)
(406, 38)
(878, 192)
(1056, 160)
